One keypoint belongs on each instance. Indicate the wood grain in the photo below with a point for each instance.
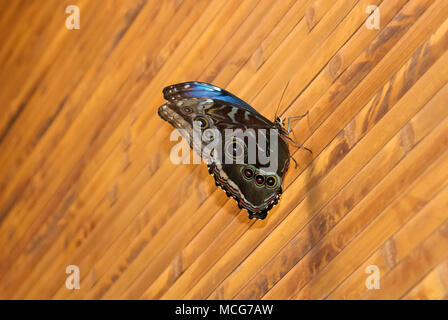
(86, 177)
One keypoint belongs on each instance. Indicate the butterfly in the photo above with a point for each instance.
(255, 186)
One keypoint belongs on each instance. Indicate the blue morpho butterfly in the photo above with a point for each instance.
(200, 105)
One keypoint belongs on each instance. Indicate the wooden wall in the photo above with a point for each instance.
(86, 178)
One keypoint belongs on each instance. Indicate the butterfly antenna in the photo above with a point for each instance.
(281, 98)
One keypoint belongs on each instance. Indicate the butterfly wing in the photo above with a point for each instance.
(218, 115)
(203, 90)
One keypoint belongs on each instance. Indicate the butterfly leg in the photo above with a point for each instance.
(298, 144)
(289, 130)
(302, 146)
(295, 162)
(294, 118)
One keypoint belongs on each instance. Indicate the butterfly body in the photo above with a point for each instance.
(255, 186)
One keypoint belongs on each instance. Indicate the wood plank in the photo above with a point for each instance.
(117, 144)
(87, 179)
(340, 205)
(397, 213)
(433, 286)
(426, 256)
(396, 248)
(243, 248)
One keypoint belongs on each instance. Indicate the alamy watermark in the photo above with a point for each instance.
(234, 146)
(373, 21)
(73, 280)
(373, 280)
(73, 20)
